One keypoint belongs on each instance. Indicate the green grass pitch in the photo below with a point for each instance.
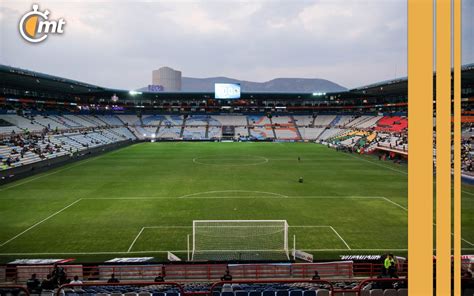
(94, 209)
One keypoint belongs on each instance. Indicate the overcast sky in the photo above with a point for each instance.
(118, 43)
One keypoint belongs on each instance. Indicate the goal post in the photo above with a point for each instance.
(240, 240)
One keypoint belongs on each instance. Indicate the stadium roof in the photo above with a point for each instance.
(34, 82)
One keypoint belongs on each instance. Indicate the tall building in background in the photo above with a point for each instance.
(167, 77)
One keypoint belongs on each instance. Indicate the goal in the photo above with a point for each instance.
(240, 240)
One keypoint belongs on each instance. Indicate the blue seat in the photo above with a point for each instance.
(296, 293)
(172, 294)
(309, 293)
(241, 293)
(255, 293)
(216, 293)
(268, 293)
(158, 294)
(282, 293)
(227, 294)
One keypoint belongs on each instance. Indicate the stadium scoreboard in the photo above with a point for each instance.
(227, 90)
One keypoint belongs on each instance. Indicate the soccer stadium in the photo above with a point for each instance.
(267, 189)
(236, 148)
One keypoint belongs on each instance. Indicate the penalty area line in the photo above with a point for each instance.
(136, 238)
(340, 237)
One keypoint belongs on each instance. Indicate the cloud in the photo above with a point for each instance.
(118, 43)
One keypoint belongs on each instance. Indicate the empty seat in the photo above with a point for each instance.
(309, 293)
(282, 293)
(390, 292)
(268, 293)
(255, 293)
(403, 292)
(349, 294)
(364, 292)
(227, 293)
(241, 293)
(296, 293)
(322, 292)
(376, 292)
(158, 294)
(144, 294)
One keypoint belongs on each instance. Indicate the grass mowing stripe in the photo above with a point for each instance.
(38, 223)
(80, 162)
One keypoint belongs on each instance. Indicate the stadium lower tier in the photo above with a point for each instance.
(30, 139)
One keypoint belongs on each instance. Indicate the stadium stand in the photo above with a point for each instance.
(325, 120)
(194, 133)
(214, 132)
(80, 132)
(197, 120)
(308, 133)
(258, 120)
(392, 124)
(303, 120)
(171, 132)
(129, 119)
(232, 120)
(261, 132)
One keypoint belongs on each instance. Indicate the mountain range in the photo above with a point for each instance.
(189, 84)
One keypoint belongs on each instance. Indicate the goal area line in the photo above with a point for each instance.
(184, 251)
(238, 226)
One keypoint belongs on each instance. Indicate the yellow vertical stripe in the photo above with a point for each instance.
(457, 146)
(443, 147)
(420, 137)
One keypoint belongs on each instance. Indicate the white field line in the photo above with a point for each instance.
(38, 223)
(377, 164)
(184, 251)
(229, 191)
(396, 204)
(81, 162)
(169, 226)
(393, 169)
(340, 237)
(136, 238)
(405, 209)
(275, 196)
(262, 160)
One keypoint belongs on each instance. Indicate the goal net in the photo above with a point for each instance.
(240, 240)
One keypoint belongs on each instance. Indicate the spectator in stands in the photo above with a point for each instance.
(48, 283)
(113, 279)
(467, 275)
(390, 266)
(227, 276)
(316, 275)
(159, 278)
(59, 275)
(76, 280)
(33, 285)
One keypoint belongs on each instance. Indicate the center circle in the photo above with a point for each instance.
(229, 160)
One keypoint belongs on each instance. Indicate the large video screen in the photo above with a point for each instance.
(227, 90)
